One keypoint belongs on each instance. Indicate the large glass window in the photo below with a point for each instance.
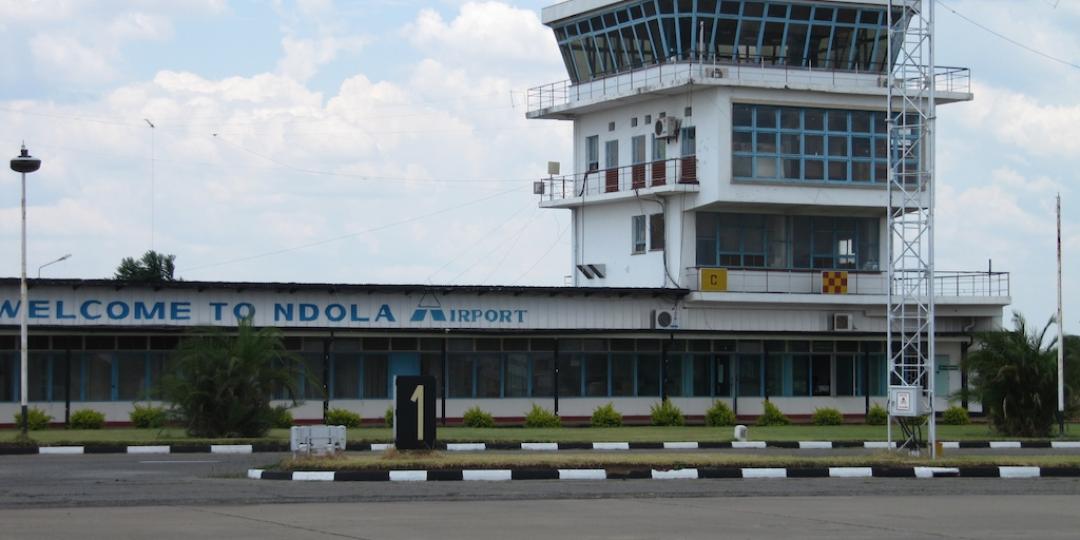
(569, 375)
(517, 375)
(460, 374)
(648, 32)
(543, 373)
(97, 375)
(648, 375)
(346, 376)
(797, 242)
(375, 376)
(809, 145)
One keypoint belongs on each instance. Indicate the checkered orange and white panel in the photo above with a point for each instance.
(834, 283)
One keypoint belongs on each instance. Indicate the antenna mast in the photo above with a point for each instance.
(911, 115)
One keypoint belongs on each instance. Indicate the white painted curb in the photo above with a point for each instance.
(611, 446)
(230, 449)
(851, 472)
(929, 472)
(540, 446)
(1019, 472)
(149, 450)
(1004, 444)
(493, 475)
(680, 446)
(61, 450)
(582, 474)
(381, 447)
(764, 473)
(254, 474)
(815, 445)
(676, 474)
(408, 476)
(313, 476)
(465, 447)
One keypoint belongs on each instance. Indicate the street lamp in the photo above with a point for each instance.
(61, 259)
(23, 164)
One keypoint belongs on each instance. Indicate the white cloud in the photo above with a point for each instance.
(485, 34)
(1020, 120)
(304, 57)
(59, 57)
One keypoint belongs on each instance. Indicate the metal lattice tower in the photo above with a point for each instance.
(911, 114)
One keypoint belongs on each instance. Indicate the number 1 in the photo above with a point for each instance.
(418, 399)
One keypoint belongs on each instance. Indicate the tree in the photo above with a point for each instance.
(151, 267)
(1014, 376)
(221, 383)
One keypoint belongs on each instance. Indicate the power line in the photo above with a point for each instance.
(350, 235)
(494, 249)
(319, 172)
(462, 251)
(1009, 39)
(544, 256)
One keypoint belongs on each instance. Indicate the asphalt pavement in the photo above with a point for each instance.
(206, 495)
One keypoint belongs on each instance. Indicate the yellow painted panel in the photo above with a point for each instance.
(714, 279)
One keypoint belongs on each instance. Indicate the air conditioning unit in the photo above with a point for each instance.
(715, 73)
(538, 188)
(667, 127)
(843, 322)
(664, 319)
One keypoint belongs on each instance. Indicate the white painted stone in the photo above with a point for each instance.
(491, 475)
(143, 449)
(851, 472)
(381, 447)
(747, 444)
(60, 450)
(680, 446)
(611, 446)
(764, 473)
(540, 446)
(408, 476)
(313, 476)
(880, 445)
(254, 474)
(675, 474)
(465, 447)
(582, 474)
(1004, 444)
(1065, 444)
(1019, 472)
(928, 472)
(230, 449)
(815, 445)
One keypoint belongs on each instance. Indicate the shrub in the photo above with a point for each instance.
(955, 416)
(606, 416)
(539, 417)
(87, 419)
(827, 416)
(474, 417)
(343, 417)
(282, 417)
(666, 413)
(38, 419)
(772, 416)
(720, 415)
(223, 380)
(148, 417)
(877, 415)
(388, 416)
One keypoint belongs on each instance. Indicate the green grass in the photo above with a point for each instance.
(852, 432)
(587, 459)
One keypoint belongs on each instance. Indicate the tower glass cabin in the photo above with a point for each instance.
(741, 150)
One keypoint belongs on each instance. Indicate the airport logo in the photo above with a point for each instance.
(431, 310)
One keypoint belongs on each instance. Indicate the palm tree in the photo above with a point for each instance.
(221, 383)
(1014, 376)
(151, 267)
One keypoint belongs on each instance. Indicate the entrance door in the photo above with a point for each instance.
(404, 363)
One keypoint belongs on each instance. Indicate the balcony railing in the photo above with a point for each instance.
(668, 172)
(757, 70)
(946, 284)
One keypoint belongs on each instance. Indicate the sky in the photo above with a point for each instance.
(385, 141)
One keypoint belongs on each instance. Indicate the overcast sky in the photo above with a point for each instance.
(385, 141)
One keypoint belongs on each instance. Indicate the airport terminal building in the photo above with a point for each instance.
(728, 198)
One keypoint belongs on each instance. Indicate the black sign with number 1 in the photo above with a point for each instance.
(414, 412)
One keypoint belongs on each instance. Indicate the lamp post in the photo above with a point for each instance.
(23, 164)
(61, 259)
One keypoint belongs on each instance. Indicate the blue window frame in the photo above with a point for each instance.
(732, 240)
(790, 144)
(771, 33)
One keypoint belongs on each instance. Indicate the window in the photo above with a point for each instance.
(569, 375)
(637, 149)
(375, 376)
(808, 145)
(637, 231)
(689, 141)
(611, 154)
(627, 37)
(592, 153)
(787, 242)
(460, 375)
(656, 232)
(648, 375)
(346, 368)
(659, 149)
(488, 375)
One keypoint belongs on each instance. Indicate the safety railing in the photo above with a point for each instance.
(668, 172)
(946, 284)
(763, 71)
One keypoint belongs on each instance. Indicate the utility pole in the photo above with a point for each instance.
(1061, 331)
